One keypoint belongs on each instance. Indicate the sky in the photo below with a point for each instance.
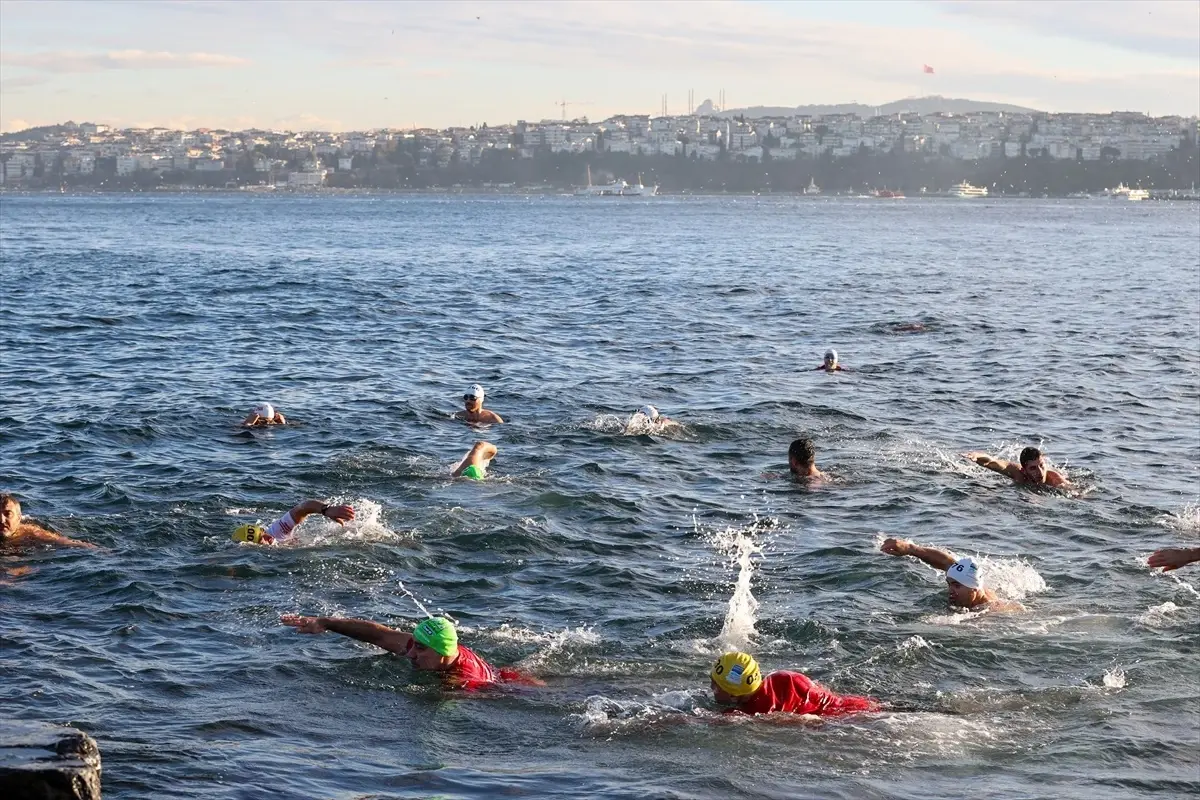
(362, 64)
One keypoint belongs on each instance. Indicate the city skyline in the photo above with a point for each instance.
(364, 65)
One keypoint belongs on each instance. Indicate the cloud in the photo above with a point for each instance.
(1158, 27)
(22, 82)
(58, 62)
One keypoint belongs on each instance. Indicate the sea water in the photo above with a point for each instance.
(614, 563)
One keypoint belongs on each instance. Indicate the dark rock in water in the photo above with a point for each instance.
(39, 761)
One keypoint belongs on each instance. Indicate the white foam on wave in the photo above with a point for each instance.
(921, 453)
(605, 716)
(930, 734)
(956, 617)
(637, 425)
(1185, 520)
(1158, 616)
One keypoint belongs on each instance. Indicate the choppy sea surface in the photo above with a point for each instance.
(613, 562)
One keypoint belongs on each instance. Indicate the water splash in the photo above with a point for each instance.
(1186, 520)
(739, 545)
(1011, 578)
(404, 590)
(637, 425)
(1114, 678)
(367, 526)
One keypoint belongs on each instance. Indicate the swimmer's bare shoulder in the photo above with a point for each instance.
(30, 534)
(1004, 606)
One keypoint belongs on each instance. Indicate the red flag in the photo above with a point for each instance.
(928, 70)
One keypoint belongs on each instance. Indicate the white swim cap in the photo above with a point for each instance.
(266, 411)
(475, 391)
(831, 354)
(649, 412)
(966, 572)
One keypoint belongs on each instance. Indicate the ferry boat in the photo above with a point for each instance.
(812, 187)
(1123, 192)
(888, 194)
(965, 189)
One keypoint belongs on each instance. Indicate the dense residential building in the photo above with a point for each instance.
(311, 159)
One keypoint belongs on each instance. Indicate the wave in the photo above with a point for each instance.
(1185, 520)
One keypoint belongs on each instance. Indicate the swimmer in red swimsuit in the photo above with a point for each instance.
(737, 682)
(433, 645)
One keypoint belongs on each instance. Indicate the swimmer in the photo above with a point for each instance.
(281, 529)
(16, 532)
(433, 645)
(649, 415)
(1032, 470)
(801, 460)
(963, 581)
(1170, 558)
(475, 463)
(830, 364)
(473, 410)
(264, 414)
(737, 682)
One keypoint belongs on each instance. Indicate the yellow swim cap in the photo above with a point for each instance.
(249, 533)
(737, 674)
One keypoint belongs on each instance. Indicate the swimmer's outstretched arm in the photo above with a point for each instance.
(364, 630)
(58, 540)
(994, 464)
(938, 559)
(1170, 558)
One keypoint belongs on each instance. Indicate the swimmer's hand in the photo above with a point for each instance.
(339, 514)
(1170, 558)
(895, 547)
(303, 624)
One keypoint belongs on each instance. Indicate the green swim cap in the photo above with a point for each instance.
(438, 634)
(474, 473)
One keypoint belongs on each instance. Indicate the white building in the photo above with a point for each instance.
(307, 179)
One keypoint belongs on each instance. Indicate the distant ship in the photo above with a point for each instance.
(888, 194)
(812, 187)
(1123, 192)
(618, 188)
(965, 189)
(639, 189)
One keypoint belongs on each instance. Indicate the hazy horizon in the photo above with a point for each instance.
(360, 65)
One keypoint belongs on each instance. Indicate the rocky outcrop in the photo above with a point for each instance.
(39, 761)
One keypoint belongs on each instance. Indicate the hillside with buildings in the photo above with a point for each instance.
(1013, 153)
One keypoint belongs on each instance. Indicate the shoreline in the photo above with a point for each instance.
(568, 192)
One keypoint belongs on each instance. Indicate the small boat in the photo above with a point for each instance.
(888, 194)
(812, 187)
